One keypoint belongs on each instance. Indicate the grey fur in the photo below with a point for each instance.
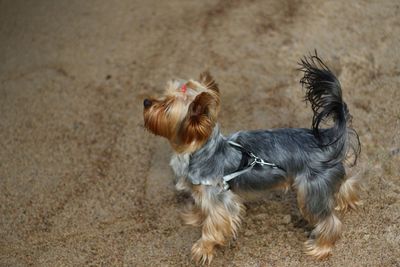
(180, 164)
(294, 149)
(311, 159)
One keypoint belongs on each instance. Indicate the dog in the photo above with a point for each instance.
(217, 169)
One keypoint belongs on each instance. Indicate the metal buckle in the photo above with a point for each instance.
(225, 186)
(258, 160)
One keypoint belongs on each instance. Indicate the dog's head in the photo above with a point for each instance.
(186, 114)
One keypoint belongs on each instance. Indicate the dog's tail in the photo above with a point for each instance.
(324, 92)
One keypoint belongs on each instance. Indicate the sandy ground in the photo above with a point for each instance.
(83, 184)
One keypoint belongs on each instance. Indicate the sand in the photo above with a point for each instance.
(83, 184)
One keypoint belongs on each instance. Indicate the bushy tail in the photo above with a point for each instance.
(324, 92)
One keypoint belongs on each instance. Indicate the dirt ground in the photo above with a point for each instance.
(83, 184)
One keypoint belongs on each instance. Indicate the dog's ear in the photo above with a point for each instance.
(205, 104)
(200, 118)
(208, 81)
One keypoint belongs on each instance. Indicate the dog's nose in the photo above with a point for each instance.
(147, 103)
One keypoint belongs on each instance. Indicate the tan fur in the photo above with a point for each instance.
(203, 251)
(183, 185)
(301, 201)
(219, 224)
(160, 118)
(348, 195)
(326, 230)
(186, 118)
(208, 81)
(324, 236)
(284, 186)
(199, 121)
(192, 216)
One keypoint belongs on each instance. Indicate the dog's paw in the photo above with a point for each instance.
(202, 252)
(347, 206)
(317, 251)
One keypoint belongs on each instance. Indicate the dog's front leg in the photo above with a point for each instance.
(221, 211)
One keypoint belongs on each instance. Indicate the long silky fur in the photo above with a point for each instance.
(311, 161)
(324, 92)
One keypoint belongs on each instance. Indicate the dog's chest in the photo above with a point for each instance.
(180, 164)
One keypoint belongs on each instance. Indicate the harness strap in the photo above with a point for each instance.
(246, 155)
(229, 177)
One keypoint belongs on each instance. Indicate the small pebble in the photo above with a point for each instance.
(249, 233)
(395, 152)
(286, 219)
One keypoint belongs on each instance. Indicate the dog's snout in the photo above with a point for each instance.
(147, 103)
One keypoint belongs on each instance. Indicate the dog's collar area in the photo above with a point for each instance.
(248, 161)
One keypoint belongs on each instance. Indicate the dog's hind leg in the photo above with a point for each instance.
(348, 195)
(326, 232)
(315, 196)
(222, 214)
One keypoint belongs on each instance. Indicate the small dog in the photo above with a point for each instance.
(217, 169)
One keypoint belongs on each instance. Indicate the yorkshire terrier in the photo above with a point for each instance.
(216, 169)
